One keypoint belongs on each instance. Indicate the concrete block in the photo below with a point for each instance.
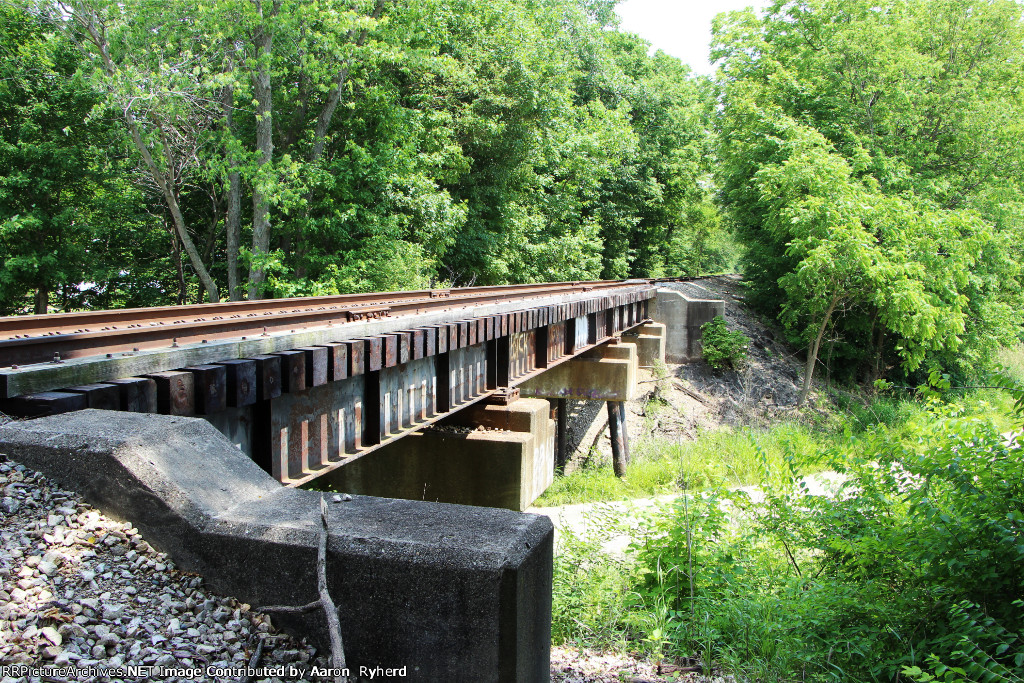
(451, 592)
(683, 318)
(508, 464)
(650, 343)
(601, 374)
(531, 415)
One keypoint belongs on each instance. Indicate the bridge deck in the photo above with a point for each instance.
(316, 382)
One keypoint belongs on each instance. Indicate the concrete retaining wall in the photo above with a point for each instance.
(453, 593)
(683, 318)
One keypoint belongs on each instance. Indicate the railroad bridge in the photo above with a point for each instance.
(349, 389)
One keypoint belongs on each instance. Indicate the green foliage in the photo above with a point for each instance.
(861, 148)
(367, 146)
(588, 593)
(725, 457)
(911, 570)
(721, 348)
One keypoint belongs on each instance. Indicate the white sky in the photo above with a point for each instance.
(682, 28)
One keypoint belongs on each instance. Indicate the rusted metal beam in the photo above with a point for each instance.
(373, 429)
(35, 339)
(542, 338)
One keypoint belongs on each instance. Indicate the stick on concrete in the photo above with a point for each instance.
(330, 610)
(325, 602)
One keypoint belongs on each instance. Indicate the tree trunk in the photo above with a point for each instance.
(233, 220)
(812, 352)
(265, 146)
(323, 122)
(42, 301)
(176, 255)
(159, 177)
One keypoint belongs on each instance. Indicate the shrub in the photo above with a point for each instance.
(722, 348)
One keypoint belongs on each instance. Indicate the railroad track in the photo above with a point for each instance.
(30, 339)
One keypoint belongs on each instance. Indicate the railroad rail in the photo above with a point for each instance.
(30, 339)
(305, 385)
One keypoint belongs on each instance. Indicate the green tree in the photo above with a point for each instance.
(860, 148)
(51, 163)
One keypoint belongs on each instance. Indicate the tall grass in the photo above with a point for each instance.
(748, 456)
(862, 587)
(726, 457)
(1012, 361)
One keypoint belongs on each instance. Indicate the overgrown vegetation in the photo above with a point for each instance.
(153, 153)
(721, 348)
(912, 569)
(865, 155)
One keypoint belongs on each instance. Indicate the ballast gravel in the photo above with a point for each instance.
(82, 593)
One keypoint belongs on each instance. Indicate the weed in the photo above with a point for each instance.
(722, 348)
(914, 571)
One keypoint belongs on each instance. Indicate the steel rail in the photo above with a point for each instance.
(33, 339)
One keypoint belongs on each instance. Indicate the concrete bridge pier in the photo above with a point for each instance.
(682, 317)
(486, 455)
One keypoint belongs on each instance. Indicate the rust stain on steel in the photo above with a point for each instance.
(454, 333)
(418, 344)
(430, 339)
(390, 346)
(316, 428)
(356, 357)
(522, 354)
(373, 353)
(556, 340)
(404, 346)
(337, 360)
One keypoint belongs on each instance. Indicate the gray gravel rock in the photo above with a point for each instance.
(82, 590)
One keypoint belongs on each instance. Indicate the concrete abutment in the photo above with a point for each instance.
(682, 318)
(454, 593)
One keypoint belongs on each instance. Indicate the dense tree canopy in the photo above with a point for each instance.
(867, 154)
(275, 147)
(871, 159)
